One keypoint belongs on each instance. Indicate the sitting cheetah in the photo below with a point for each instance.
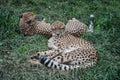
(29, 26)
(68, 52)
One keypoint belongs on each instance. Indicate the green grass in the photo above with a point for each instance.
(15, 49)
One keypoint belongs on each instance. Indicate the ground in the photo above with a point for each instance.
(15, 49)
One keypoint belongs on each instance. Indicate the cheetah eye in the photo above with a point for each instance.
(28, 22)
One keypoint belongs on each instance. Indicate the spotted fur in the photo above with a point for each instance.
(65, 61)
(30, 26)
(75, 27)
(55, 65)
(65, 41)
(67, 50)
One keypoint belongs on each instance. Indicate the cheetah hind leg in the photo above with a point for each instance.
(79, 63)
(82, 64)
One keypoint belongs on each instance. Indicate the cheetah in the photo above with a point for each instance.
(75, 27)
(30, 26)
(68, 52)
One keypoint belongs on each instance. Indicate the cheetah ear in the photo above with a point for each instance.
(21, 15)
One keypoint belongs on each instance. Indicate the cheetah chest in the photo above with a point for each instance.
(54, 44)
(51, 44)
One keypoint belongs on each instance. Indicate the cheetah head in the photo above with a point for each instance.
(58, 28)
(28, 17)
(27, 20)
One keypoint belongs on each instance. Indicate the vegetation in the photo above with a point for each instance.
(15, 49)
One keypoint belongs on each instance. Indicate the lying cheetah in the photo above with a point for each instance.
(30, 26)
(68, 52)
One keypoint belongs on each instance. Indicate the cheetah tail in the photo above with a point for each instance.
(55, 65)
